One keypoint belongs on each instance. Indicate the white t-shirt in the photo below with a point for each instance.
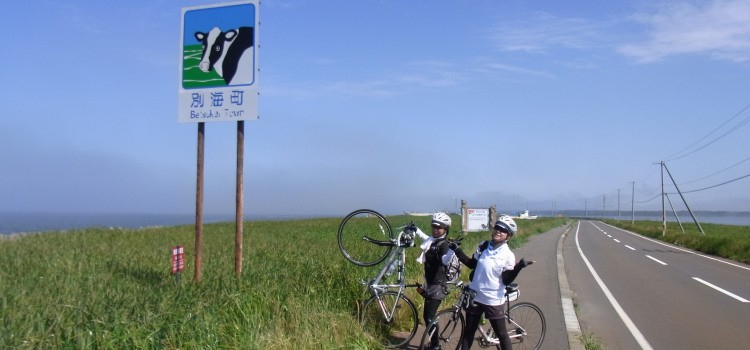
(487, 280)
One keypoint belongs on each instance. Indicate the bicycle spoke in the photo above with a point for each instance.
(353, 230)
(447, 332)
(403, 319)
(526, 326)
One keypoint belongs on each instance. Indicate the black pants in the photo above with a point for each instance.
(497, 320)
(430, 310)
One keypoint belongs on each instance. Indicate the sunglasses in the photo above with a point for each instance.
(437, 226)
(501, 229)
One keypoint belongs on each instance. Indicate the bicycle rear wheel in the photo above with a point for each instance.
(352, 232)
(402, 325)
(526, 326)
(449, 327)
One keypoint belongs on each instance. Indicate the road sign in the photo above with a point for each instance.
(219, 62)
(478, 220)
(178, 259)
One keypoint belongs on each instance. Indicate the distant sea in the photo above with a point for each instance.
(710, 217)
(18, 223)
(723, 220)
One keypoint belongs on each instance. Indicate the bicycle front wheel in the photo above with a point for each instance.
(449, 328)
(526, 326)
(390, 318)
(361, 224)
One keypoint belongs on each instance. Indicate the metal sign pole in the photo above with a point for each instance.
(199, 206)
(239, 198)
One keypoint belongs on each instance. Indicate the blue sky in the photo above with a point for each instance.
(390, 105)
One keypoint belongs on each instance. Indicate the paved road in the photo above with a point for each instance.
(660, 296)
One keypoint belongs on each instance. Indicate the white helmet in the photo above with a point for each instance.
(507, 224)
(441, 219)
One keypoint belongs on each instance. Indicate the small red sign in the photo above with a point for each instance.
(178, 259)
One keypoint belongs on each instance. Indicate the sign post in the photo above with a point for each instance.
(178, 261)
(219, 82)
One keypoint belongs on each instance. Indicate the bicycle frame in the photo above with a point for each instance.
(486, 338)
(397, 257)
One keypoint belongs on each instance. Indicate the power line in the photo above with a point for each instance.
(716, 173)
(717, 185)
(742, 123)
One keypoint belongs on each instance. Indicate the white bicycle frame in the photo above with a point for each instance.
(397, 257)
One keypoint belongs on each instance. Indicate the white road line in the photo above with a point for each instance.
(572, 326)
(629, 247)
(655, 259)
(625, 319)
(617, 240)
(722, 290)
(679, 248)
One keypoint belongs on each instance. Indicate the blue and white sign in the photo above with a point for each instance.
(219, 65)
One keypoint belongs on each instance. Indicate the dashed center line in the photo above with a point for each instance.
(722, 290)
(629, 247)
(655, 259)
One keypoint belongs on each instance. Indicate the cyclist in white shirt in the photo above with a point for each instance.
(494, 268)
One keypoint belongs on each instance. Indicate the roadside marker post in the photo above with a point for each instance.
(178, 261)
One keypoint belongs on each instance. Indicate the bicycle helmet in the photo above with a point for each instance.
(441, 219)
(507, 224)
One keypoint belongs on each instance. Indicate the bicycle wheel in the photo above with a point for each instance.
(402, 325)
(526, 326)
(449, 327)
(352, 232)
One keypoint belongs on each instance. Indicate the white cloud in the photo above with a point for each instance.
(543, 32)
(517, 70)
(718, 28)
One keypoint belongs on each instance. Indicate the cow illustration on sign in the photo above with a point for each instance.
(229, 53)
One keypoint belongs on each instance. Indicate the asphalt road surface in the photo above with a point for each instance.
(636, 293)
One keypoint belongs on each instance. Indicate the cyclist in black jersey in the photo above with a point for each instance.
(435, 255)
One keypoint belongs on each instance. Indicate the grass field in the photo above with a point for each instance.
(112, 288)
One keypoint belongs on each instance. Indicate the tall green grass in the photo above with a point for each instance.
(728, 241)
(112, 288)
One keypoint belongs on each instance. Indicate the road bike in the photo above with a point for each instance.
(525, 323)
(365, 238)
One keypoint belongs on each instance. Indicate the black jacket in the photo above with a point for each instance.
(434, 272)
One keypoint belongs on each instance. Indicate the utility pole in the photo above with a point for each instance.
(632, 205)
(604, 205)
(586, 207)
(618, 205)
(683, 199)
(663, 210)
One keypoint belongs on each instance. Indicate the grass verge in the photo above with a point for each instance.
(112, 288)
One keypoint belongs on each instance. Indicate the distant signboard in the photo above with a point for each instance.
(477, 220)
(219, 62)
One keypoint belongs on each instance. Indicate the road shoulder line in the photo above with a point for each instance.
(572, 325)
